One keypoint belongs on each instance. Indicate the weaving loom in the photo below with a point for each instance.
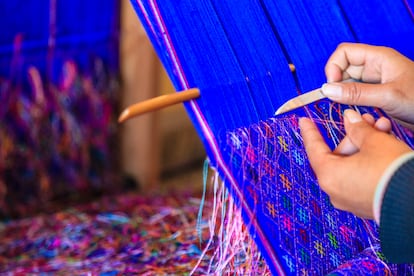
(237, 53)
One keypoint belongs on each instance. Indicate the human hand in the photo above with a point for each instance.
(387, 79)
(346, 147)
(350, 178)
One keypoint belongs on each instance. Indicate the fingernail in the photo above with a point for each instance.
(331, 90)
(352, 116)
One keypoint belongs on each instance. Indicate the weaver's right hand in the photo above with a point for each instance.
(387, 79)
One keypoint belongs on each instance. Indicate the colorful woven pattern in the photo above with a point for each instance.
(309, 234)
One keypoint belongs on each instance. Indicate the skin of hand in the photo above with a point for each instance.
(387, 79)
(350, 178)
(346, 147)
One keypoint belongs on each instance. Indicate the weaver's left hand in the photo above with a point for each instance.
(350, 173)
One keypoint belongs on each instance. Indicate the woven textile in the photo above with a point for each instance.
(237, 53)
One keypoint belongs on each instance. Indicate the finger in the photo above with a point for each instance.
(369, 118)
(315, 145)
(352, 54)
(346, 147)
(357, 93)
(357, 129)
(355, 71)
(335, 73)
(383, 124)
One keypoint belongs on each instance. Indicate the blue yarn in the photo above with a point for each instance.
(83, 30)
(237, 53)
(259, 54)
(385, 23)
(310, 31)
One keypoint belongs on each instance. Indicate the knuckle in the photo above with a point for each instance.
(388, 51)
(353, 92)
(342, 45)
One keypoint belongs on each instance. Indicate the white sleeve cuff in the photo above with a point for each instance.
(383, 183)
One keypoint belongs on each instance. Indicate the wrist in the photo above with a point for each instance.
(384, 181)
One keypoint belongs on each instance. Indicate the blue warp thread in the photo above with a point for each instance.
(237, 53)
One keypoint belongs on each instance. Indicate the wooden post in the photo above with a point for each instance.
(139, 66)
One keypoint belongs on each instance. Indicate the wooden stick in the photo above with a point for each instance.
(164, 101)
(158, 103)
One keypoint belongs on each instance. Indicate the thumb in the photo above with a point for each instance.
(357, 129)
(356, 93)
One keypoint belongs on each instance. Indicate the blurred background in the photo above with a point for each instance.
(67, 69)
